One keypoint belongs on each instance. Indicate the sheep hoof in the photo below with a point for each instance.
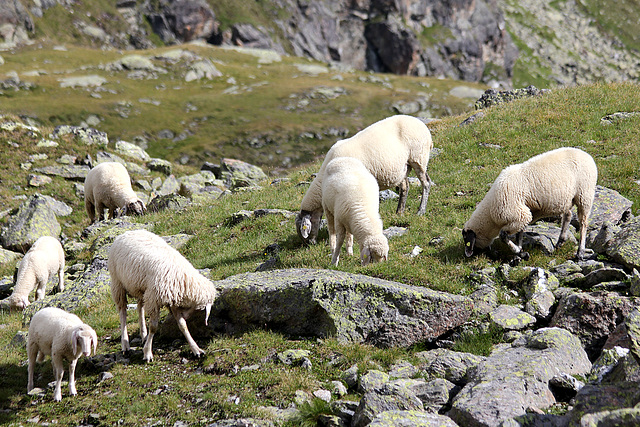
(524, 255)
(515, 261)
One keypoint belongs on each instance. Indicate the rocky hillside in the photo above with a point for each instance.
(498, 42)
(427, 337)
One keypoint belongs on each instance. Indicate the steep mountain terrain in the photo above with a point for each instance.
(499, 42)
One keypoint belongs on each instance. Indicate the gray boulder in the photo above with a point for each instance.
(70, 172)
(236, 173)
(411, 419)
(592, 316)
(34, 218)
(514, 379)
(625, 245)
(448, 364)
(88, 136)
(352, 307)
(395, 396)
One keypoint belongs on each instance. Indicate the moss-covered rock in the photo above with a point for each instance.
(34, 219)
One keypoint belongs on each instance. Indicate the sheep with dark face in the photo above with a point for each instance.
(63, 336)
(548, 184)
(108, 186)
(389, 149)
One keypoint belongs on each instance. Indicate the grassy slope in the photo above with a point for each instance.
(199, 390)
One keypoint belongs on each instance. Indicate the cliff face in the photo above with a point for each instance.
(491, 41)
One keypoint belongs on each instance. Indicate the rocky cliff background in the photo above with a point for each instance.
(498, 42)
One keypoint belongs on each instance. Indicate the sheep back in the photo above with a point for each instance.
(108, 185)
(143, 265)
(350, 196)
(546, 185)
(42, 261)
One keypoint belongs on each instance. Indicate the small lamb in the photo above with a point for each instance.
(63, 336)
(389, 149)
(548, 184)
(41, 262)
(145, 267)
(108, 186)
(350, 201)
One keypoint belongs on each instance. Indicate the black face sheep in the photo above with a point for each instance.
(63, 336)
(145, 267)
(546, 185)
(108, 186)
(350, 201)
(41, 262)
(389, 149)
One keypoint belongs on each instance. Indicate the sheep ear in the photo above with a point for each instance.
(94, 340)
(74, 341)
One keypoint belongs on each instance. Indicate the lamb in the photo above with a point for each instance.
(145, 267)
(108, 186)
(63, 336)
(43, 260)
(350, 202)
(546, 185)
(388, 149)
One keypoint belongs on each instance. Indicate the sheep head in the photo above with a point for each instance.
(469, 237)
(303, 225)
(374, 249)
(84, 338)
(19, 302)
(134, 208)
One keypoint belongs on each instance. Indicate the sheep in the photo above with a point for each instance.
(108, 186)
(44, 259)
(350, 202)
(63, 336)
(548, 184)
(388, 149)
(145, 267)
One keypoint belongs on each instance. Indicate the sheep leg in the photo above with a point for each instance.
(403, 189)
(349, 239)
(90, 207)
(41, 289)
(340, 235)
(582, 218)
(141, 320)
(58, 372)
(564, 229)
(32, 350)
(332, 231)
(181, 316)
(154, 315)
(426, 182)
(124, 335)
(316, 216)
(72, 377)
(61, 278)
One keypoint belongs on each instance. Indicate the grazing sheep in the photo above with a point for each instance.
(546, 185)
(388, 149)
(43, 260)
(108, 186)
(145, 267)
(350, 202)
(63, 336)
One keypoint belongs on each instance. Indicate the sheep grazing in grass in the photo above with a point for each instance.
(63, 336)
(389, 149)
(350, 202)
(145, 267)
(546, 185)
(108, 186)
(41, 262)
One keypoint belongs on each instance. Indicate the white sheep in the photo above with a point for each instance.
(108, 186)
(63, 336)
(350, 202)
(389, 149)
(145, 267)
(548, 184)
(42, 261)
